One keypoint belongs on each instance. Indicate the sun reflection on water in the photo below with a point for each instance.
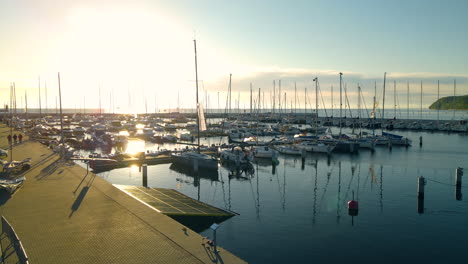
(135, 146)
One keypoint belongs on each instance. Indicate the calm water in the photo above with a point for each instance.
(298, 213)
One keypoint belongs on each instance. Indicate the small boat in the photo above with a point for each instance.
(397, 139)
(79, 130)
(189, 158)
(186, 137)
(235, 155)
(290, 150)
(264, 152)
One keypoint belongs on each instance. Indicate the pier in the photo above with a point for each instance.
(62, 214)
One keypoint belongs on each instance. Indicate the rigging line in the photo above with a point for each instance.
(323, 102)
(398, 104)
(347, 101)
(443, 183)
(365, 106)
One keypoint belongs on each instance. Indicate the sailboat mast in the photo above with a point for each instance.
(250, 98)
(407, 100)
(454, 94)
(99, 101)
(394, 98)
(383, 101)
(40, 109)
(274, 99)
(26, 104)
(438, 94)
(11, 121)
(316, 106)
(295, 99)
(332, 108)
(229, 93)
(61, 118)
(279, 98)
(341, 101)
(46, 105)
(420, 111)
(196, 85)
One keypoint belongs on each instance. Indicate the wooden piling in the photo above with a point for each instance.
(145, 175)
(458, 183)
(421, 183)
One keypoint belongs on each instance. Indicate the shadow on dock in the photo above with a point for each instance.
(79, 199)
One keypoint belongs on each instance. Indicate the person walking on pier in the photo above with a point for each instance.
(9, 139)
(15, 138)
(20, 137)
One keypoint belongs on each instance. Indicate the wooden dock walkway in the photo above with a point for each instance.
(64, 215)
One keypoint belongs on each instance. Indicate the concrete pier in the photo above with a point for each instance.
(62, 214)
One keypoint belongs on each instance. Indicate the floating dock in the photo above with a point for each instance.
(195, 214)
(100, 166)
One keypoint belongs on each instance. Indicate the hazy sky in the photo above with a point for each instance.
(142, 51)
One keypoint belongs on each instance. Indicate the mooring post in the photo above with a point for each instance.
(458, 183)
(420, 141)
(421, 183)
(145, 175)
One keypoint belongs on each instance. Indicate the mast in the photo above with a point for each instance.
(374, 108)
(305, 101)
(61, 119)
(295, 98)
(341, 100)
(274, 93)
(332, 108)
(420, 111)
(46, 105)
(11, 121)
(40, 110)
(196, 85)
(99, 101)
(279, 98)
(438, 94)
(407, 100)
(250, 98)
(359, 108)
(383, 101)
(316, 105)
(394, 99)
(454, 94)
(229, 91)
(26, 104)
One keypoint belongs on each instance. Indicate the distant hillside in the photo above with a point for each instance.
(451, 103)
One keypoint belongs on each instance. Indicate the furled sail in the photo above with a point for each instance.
(201, 117)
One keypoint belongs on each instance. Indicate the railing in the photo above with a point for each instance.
(8, 230)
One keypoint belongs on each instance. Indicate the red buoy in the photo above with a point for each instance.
(353, 205)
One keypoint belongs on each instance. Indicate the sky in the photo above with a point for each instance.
(139, 55)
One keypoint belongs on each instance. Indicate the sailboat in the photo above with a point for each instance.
(195, 159)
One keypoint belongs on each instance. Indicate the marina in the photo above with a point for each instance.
(214, 132)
